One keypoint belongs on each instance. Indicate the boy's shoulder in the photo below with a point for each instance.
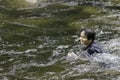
(95, 48)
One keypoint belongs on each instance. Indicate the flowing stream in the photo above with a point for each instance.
(29, 52)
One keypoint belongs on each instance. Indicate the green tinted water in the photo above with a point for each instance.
(34, 45)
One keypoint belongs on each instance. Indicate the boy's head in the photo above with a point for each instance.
(87, 36)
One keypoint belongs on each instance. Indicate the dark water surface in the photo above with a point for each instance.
(35, 48)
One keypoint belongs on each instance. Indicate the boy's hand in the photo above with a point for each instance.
(72, 56)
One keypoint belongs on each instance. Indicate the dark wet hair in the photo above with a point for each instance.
(89, 33)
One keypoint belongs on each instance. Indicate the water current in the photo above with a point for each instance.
(30, 56)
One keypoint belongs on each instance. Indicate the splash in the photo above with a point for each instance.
(106, 58)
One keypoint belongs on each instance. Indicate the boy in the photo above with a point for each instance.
(87, 37)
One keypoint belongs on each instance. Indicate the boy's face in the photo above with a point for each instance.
(83, 39)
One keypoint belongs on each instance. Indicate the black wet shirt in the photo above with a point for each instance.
(93, 48)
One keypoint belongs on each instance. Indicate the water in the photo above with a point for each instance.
(35, 48)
